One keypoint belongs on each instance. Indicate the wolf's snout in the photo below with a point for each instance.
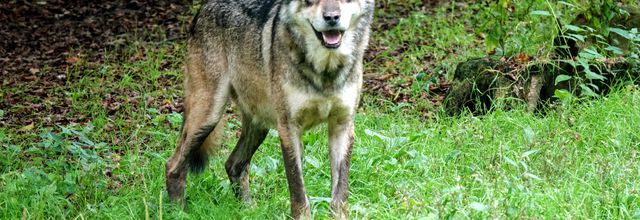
(332, 18)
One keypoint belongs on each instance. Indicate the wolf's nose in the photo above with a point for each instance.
(331, 18)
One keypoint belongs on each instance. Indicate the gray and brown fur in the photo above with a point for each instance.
(279, 62)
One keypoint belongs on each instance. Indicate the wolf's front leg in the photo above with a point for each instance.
(291, 145)
(340, 143)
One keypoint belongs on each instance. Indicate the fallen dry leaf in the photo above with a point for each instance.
(28, 127)
(523, 58)
(34, 70)
(30, 78)
(72, 60)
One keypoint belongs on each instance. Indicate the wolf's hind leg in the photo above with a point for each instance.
(206, 94)
(239, 161)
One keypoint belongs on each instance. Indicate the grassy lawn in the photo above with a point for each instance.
(580, 160)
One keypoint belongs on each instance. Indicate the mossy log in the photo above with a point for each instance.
(480, 84)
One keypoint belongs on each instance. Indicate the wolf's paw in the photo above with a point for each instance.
(249, 203)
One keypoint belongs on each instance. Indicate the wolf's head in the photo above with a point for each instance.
(330, 27)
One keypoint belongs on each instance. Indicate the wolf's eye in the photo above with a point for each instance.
(309, 2)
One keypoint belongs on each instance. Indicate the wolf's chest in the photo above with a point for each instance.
(309, 109)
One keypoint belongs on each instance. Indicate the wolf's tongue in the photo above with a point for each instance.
(331, 37)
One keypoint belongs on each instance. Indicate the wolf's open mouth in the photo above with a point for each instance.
(330, 39)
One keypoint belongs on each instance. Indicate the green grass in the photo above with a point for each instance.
(574, 163)
(580, 160)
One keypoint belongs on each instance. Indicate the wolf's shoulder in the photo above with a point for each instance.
(235, 13)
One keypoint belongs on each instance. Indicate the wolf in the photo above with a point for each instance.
(287, 65)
